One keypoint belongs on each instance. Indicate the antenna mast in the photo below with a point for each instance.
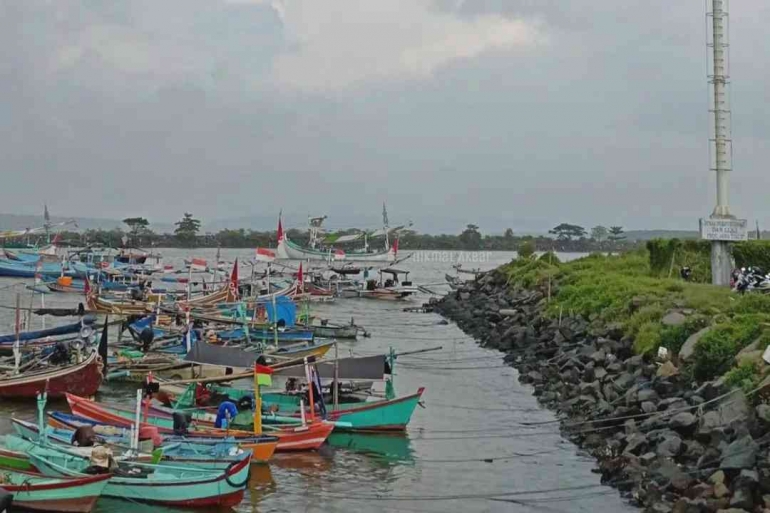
(721, 227)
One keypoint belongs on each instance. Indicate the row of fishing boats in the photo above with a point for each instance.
(227, 377)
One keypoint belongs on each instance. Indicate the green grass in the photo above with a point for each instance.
(623, 289)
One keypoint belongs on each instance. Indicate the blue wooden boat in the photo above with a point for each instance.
(15, 269)
(211, 456)
(167, 485)
(38, 338)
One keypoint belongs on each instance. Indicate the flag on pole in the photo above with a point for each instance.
(339, 254)
(198, 264)
(395, 247)
(280, 229)
(263, 374)
(234, 279)
(265, 255)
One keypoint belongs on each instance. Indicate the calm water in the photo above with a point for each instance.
(473, 405)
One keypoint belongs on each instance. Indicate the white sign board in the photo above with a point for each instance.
(733, 230)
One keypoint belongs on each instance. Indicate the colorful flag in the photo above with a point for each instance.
(198, 264)
(263, 374)
(339, 254)
(265, 255)
(280, 229)
(234, 279)
(395, 247)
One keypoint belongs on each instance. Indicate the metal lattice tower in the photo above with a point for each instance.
(721, 136)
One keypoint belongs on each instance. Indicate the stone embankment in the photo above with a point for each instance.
(666, 442)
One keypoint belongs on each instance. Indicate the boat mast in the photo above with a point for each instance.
(385, 226)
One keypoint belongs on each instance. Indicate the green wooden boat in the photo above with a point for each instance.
(144, 482)
(36, 492)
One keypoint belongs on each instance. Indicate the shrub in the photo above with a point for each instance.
(752, 253)
(715, 351)
(648, 338)
(747, 376)
(526, 249)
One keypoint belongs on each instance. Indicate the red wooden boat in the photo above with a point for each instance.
(300, 438)
(82, 378)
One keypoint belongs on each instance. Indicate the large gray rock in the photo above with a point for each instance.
(684, 421)
(647, 394)
(740, 454)
(689, 346)
(670, 447)
(673, 318)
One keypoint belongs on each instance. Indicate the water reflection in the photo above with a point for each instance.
(385, 448)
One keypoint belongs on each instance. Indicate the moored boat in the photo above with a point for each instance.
(36, 492)
(83, 378)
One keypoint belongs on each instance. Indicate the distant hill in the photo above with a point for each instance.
(645, 235)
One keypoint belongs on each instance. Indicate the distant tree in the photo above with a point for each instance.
(616, 234)
(508, 235)
(470, 238)
(599, 233)
(566, 231)
(137, 226)
(526, 249)
(187, 229)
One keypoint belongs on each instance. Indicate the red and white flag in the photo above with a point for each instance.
(198, 264)
(280, 229)
(339, 254)
(265, 255)
(234, 279)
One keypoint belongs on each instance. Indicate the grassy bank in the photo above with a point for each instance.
(626, 292)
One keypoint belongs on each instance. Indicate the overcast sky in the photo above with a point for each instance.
(504, 113)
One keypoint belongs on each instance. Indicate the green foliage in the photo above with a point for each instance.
(715, 351)
(747, 376)
(187, 229)
(550, 257)
(668, 256)
(648, 338)
(530, 273)
(599, 233)
(752, 253)
(526, 249)
(566, 231)
(616, 234)
(470, 238)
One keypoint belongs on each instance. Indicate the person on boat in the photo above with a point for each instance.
(84, 436)
(225, 414)
(182, 421)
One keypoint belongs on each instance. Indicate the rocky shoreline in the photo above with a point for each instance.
(665, 442)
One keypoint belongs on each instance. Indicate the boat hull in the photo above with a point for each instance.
(300, 438)
(81, 379)
(69, 495)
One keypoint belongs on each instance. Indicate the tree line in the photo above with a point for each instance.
(187, 233)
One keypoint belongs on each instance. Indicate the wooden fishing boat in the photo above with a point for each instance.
(340, 331)
(290, 438)
(35, 492)
(16, 269)
(15, 460)
(262, 446)
(182, 486)
(82, 378)
(38, 338)
(211, 456)
(366, 416)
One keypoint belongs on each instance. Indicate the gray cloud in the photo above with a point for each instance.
(591, 112)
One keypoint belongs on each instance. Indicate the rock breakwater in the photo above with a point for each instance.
(667, 442)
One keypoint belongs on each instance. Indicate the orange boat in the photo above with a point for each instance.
(299, 438)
